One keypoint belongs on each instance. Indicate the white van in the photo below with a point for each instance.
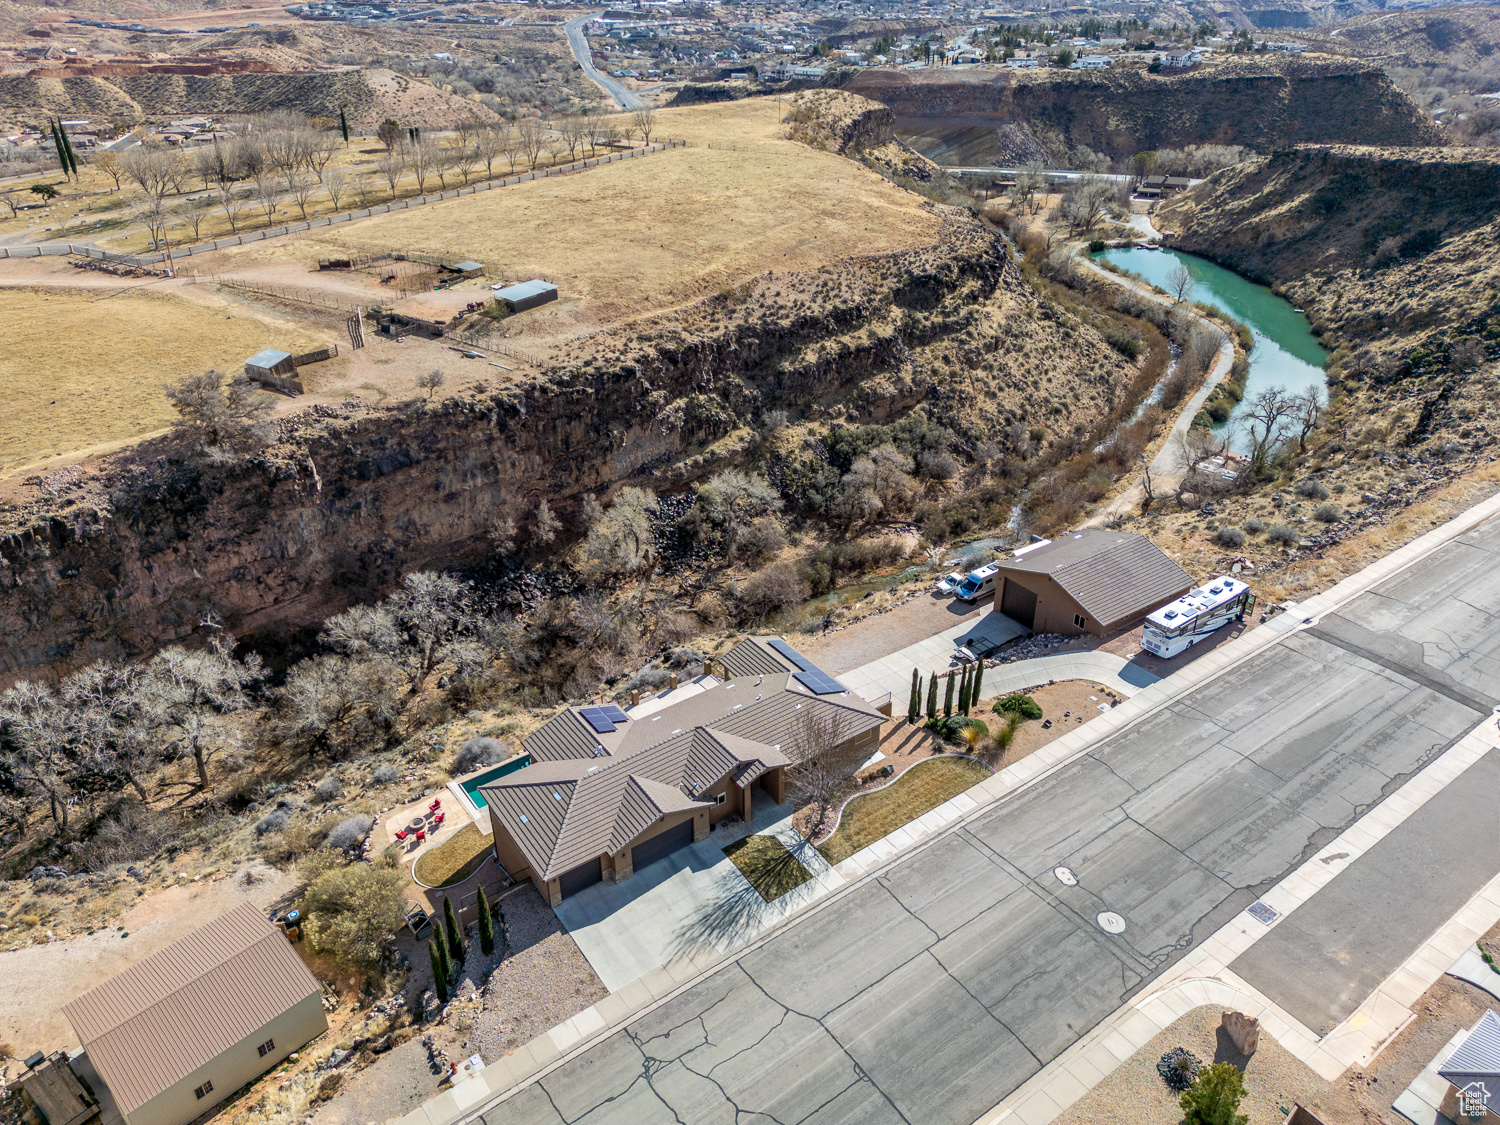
(978, 583)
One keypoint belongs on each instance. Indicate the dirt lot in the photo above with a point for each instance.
(37, 980)
(83, 367)
(653, 232)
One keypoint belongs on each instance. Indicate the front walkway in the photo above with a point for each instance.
(935, 654)
(692, 898)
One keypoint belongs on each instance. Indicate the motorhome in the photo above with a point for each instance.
(1179, 625)
(977, 584)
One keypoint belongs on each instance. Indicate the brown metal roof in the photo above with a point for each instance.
(160, 1020)
(574, 803)
(1113, 575)
(752, 657)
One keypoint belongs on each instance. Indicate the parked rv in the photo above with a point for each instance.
(1179, 625)
(977, 584)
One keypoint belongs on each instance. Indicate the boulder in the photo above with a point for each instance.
(1243, 1031)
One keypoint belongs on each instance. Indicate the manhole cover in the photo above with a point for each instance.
(1262, 913)
(1065, 877)
(1111, 923)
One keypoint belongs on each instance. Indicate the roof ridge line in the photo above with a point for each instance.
(114, 1027)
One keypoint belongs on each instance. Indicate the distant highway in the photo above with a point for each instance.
(1053, 174)
(623, 97)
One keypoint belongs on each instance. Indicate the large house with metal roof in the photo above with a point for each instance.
(611, 790)
(176, 1033)
(1087, 582)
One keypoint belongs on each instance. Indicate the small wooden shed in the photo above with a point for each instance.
(268, 364)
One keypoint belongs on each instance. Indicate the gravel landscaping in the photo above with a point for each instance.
(544, 980)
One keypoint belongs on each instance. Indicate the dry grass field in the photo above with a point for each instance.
(82, 369)
(649, 233)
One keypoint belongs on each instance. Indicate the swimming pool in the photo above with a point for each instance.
(471, 785)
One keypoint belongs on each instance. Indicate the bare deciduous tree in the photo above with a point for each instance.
(822, 761)
(215, 414)
(424, 156)
(620, 540)
(732, 498)
(644, 120)
(545, 526)
(1180, 282)
(336, 184)
(303, 187)
(194, 210)
(109, 164)
(531, 136)
(1266, 418)
(188, 697)
(1306, 411)
(391, 165)
(430, 382)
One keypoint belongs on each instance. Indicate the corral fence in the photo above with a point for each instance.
(51, 249)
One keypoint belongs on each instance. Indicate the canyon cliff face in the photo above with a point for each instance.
(1262, 103)
(352, 498)
(1377, 243)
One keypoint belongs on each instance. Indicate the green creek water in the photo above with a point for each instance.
(1286, 353)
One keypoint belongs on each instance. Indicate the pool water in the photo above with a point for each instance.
(471, 786)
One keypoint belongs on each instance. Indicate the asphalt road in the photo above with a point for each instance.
(623, 97)
(929, 994)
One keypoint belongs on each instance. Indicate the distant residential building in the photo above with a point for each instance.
(1022, 64)
(1287, 48)
(1181, 58)
(1091, 62)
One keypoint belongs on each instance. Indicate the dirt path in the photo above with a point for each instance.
(36, 981)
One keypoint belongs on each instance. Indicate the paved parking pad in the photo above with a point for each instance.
(929, 994)
(1325, 957)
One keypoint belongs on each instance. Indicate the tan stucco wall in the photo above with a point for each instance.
(230, 1070)
(506, 852)
(1055, 607)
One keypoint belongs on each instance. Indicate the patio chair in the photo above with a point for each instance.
(402, 834)
(437, 821)
(437, 804)
(421, 836)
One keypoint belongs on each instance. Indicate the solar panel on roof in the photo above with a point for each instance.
(596, 718)
(786, 650)
(614, 714)
(819, 683)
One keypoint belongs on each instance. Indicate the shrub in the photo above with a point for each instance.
(479, 751)
(776, 587)
(1231, 537)
(1022, 705)
(1254, 526)
(951, 728)
(273, 821)
(352, 911)
(1096, 245)
(1214, 1096)
(1328, 513)
(1312, 489)
(1281, 533)
(329, 789)
(350, 833)
(386, 774)
(762, 539)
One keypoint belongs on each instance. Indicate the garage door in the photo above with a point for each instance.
(581, 877)
(662, 845)
(1018, 603)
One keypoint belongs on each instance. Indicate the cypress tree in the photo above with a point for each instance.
(948, 697)
(455, 935)
(57, 145)
(978, 679)
(439, 977)
(914, 707)
(344, 126)
(68, 148)
(486, 919)
(963, 692)
(932, 696)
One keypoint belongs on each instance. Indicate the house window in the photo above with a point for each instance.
(720, 798)
(1079, 620)
(267, 1047)
(204, 1090)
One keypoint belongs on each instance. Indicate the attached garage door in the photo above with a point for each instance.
(1018, 603)
(660, 846)
(581, 877)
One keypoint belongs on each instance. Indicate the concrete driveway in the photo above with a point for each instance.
(933, 654)
(692, 897)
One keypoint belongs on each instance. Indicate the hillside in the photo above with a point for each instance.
(1392, 253)
(1262, 103)
(1462, 37)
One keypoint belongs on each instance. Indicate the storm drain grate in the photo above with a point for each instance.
(1262, 913)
